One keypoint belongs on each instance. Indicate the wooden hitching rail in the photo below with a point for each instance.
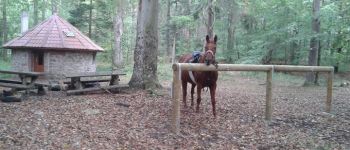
(269, 69)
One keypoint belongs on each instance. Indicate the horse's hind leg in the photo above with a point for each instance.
(184, 92)
(192, 92)
(199, 88)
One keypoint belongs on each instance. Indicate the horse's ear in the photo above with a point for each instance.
(207, 38)
(215, 38)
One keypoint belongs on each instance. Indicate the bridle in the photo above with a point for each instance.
(209, 52)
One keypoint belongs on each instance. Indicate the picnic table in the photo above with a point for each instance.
(78, 81)
(27, 79)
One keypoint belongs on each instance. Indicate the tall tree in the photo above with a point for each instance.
(90, 18)
(231, 28)
(314, 42)
(118, 32)
(36, 12)
(4, 25)
(54, 6)
(43, 10)
(210, 23)
(146, 49)
(167, 35)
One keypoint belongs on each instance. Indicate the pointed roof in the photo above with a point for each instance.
(54, 33)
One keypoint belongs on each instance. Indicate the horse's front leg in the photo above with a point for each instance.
(199, 88)
(184, 92)
(212, 95)
(192, 92)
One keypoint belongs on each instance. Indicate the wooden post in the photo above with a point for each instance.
(268, 110)
(329, 91)
(114, 80)
(175, 120)
(77, 83)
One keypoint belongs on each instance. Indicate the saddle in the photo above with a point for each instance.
(195, 57)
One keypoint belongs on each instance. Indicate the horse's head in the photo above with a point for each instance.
(210, 50)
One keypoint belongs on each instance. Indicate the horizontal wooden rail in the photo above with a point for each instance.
(302, 68)
(243, 67)
(221, 67)
(177, 68)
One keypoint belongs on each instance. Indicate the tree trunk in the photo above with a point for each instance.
(339, 38)
(1, 33)
(43, 11)
(314, 43)
(232, 18)
(36, 12)
(90, 18)
(293, 49)
(210, 19)
(118, 32)
(54, 6)
(146, 49)
(187, 30)
(318, 62)
(167, 36)
(4, 27)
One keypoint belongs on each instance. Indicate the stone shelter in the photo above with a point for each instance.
(53, 46)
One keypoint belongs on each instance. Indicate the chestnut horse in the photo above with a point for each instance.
(201, 79)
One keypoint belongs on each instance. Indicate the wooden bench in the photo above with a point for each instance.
(89, 81)
(27, 80)
(77, 82)
(15, 85)
(20, 82)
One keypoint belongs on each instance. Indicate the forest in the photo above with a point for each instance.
(250, 31)
(128, 94)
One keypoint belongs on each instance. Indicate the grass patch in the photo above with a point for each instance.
(5, 65)
(164, 70)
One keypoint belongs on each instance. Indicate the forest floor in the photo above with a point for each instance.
(140, 119)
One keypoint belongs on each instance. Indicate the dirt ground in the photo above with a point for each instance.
(140, 120)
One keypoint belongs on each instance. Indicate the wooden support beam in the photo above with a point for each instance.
(75, 81)
(70, 92)
(175, 117)
(114, 80)
(329, 91)
(268, 107)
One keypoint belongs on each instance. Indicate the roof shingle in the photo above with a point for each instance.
(49, 35)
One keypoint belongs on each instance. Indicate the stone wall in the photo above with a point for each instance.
(69, 62)
(21, 60)
(56, 62)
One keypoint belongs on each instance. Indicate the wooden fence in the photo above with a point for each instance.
(269, 69)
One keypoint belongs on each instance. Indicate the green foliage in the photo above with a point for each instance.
(6, 65)
(274, 31)
(182, 21)
(79, 17)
